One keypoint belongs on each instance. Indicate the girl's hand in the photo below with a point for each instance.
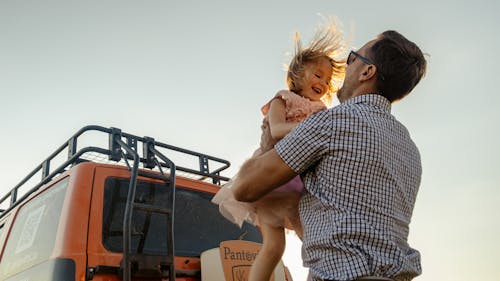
(266, 140)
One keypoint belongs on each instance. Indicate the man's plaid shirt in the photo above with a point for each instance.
(361, 171)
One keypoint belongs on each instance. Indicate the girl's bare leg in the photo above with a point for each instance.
(296, 225)
(270, 254)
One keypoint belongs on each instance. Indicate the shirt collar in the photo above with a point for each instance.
(371, 99)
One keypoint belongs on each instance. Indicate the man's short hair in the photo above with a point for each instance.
(400, 65)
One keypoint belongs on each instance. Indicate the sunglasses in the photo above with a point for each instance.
(353, 55)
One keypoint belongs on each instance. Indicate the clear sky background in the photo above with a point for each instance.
(195, 73)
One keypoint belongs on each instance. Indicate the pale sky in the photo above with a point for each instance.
(195, 73)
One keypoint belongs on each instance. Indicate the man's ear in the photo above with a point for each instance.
(369, 72)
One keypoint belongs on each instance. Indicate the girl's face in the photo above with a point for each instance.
(318, 76)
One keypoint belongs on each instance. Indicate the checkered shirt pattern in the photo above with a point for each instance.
(361, 171)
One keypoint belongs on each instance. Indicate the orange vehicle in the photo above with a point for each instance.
(120, 211)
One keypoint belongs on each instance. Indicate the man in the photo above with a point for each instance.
(360, 169)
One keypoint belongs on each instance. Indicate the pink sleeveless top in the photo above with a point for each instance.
(297, 108)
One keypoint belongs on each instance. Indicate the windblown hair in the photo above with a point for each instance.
(400, 65)
(329, 43)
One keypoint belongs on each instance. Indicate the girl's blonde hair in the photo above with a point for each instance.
(328, 42)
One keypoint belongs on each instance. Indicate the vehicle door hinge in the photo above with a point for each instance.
(90, 273)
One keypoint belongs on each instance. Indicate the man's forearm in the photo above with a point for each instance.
(259, 175)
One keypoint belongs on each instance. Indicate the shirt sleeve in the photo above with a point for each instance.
(307, 142)
(282, 94)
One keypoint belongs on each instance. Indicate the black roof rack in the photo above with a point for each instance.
(113, 152)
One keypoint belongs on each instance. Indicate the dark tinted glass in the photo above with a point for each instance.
(198, 225)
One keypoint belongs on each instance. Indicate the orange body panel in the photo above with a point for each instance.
(73, 225)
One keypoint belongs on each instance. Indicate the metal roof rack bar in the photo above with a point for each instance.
(113, 151)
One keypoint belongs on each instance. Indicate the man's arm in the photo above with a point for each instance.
(260, 175)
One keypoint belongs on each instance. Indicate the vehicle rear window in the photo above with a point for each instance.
(34, 231)
(198, 225)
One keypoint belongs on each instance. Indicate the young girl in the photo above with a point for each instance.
(313, 76)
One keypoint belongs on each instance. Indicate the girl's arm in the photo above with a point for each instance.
(277, 119)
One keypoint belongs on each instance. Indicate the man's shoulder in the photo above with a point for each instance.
(343, 107)
(342, 111)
